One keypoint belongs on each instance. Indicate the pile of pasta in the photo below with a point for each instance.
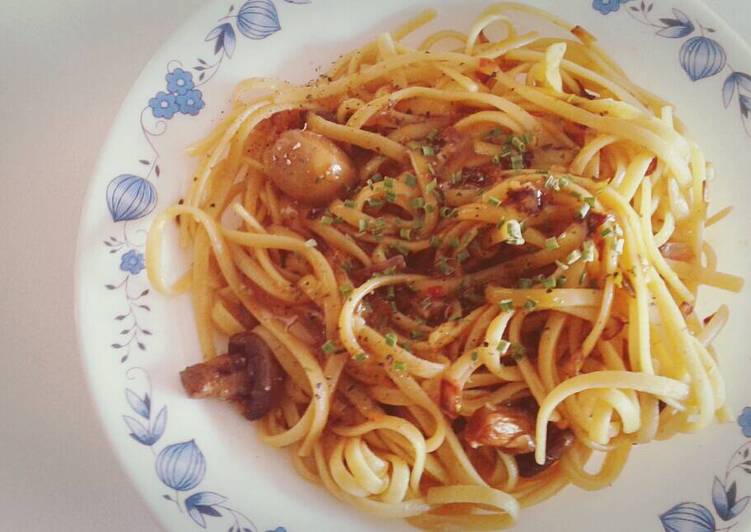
(523, 233)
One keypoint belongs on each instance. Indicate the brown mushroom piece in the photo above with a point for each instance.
(557, 443)
(507, 427)
(309, 167)
(248, 376)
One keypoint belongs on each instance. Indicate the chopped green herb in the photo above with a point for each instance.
(435, 241)
(619, 246)
(327, 220)
(524, 282)
(350, 204)
(517, 162)
(429, 208)
(553, 183)
(430, 187)
(494, 201)
(360, 356)
(405, 233)
(399, 365)
(388, 183)
(375, 202)
(588, 248)
(506, 305)
(346, 289)
(530, 304)
(583, 278)
(390, 196)
(518, 351)
(549, 282)
(495, 132)
(561, 281)
(474, 356)
(410, 180)
(605, 232)
(417, 203)
(457, 177)
(390, 339)
(573, 257)
(511, 233)
(519, 143)
(454, 243)
(462, 255)
(329, 347)
(362, 225)
(427, 150)
(552, 243)
(444, 267)
(376, 178)
(503, 346)
(447, 212)
(582, 211)
(590, 201)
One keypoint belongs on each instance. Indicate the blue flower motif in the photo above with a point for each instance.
(179, 81)
(744, 420)
(132, 262)
(181, 466)
(191, 102)
(688, 517)
(202, 503)
(163, 105)
(606, 6)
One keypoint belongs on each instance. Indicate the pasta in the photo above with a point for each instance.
(458, 270)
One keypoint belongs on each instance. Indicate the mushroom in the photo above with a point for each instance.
(509, 428)
(309, 167)
(248, 376)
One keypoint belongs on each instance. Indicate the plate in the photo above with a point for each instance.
(196, 464)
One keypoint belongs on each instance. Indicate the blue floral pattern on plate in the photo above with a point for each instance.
(700, 56)
(180, 466)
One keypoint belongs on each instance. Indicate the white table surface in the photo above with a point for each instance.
(58, 97)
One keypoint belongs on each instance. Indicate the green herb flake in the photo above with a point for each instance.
(492, 200)
(524, 282)
(506, 305)
(329, 347)
(428, 150)
(503, 346)
(390, 339)
(410, 180)
(552, 243)
(530, 304)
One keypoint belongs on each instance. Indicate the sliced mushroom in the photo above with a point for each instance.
(248, 376)
(558, 442)
(508, 427)
(309, 167)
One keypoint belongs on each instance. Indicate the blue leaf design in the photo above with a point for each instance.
(181, 466)
(745, 104)
(738, 507)
(688, 517)
(728, 89)
(676, 31)
(682, 17)
(204, 498)
(138, 405)
(197, 516)
(130, 197)
(229, 40)
(744, 80)
(702, 57)
(257, 19)
(137, 431)
(157, 429)
(215, 33)
(720, 499)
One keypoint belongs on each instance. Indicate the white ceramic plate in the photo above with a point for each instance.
(197, 463)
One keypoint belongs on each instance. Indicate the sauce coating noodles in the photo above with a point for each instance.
(472, 269)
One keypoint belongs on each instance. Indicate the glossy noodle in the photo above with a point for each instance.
(453, 271)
